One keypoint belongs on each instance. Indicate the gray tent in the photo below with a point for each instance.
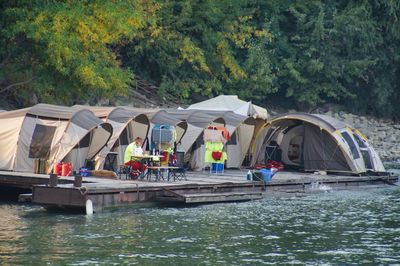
(52, 133)
(192, 141)
(316, 142)
(127, 124)
(242, 129)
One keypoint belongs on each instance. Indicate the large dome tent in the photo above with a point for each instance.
(315, 142)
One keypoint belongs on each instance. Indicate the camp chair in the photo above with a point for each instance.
(272, 152)
(89, 164)
(181, 171)
(110, 162)
(124, 171)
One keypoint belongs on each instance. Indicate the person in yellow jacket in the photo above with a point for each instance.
(134, 149)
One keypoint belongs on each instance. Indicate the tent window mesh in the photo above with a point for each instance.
(123, 138)
(233, 139)
(367, 159)
(41, 141)
(360, 141)
(199, 141)
(352, 145)
(84, 143)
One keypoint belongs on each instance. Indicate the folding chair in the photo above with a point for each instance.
(180, 173)
(124, 170)
(272, 152)
(110, 162)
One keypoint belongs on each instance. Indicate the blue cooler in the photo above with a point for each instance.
(267, 174)
(84, 172)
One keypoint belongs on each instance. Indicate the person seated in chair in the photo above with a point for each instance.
(134, 149)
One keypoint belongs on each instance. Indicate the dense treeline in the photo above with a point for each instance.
(298, 53)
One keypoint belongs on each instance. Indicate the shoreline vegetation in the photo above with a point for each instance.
(301, 55)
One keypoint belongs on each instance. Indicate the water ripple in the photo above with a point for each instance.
(339, 227)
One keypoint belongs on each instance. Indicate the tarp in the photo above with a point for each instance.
(51, 133)
(317, 142)
(231, 103)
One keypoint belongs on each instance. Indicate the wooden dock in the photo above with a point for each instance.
(199, 187)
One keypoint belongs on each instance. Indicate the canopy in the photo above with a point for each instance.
(231, 103)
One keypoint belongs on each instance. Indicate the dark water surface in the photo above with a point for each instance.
(335, 227)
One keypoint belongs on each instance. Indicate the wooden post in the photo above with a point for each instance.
(53, 180)
(78, 181)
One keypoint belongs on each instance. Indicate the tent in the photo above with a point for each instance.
(316, 142)
(231, 103)
(127, 125)
(51, 133)
(163, 117)
(191, 143)
(241, 129)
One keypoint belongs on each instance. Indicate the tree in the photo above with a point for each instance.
(202, 47)
(61, 51)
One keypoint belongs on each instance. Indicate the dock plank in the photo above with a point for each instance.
(221, 197)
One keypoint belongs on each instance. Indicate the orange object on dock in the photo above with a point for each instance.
(66, 169)
(57, 169)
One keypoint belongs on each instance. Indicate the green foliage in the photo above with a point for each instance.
(304, 53)
(203, 47)
(63, 50)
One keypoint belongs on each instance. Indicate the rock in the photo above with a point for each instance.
(383, 128)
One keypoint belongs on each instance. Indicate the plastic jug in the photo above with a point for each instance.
(66, 169)
(249, 176)
(57, 168)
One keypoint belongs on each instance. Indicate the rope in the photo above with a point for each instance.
(83, 190)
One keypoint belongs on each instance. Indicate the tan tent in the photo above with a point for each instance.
(51, 133)
(196, 121)
(223, 103)
(316, 142)
(128, 124)
(241, 129)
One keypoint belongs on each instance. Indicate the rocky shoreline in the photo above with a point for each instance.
(383, 134)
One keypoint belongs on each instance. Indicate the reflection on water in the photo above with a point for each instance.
(10, 232)
(332, 227)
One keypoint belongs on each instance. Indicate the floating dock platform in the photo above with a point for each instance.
(93, 194)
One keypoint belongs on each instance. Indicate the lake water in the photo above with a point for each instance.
(331, 227)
